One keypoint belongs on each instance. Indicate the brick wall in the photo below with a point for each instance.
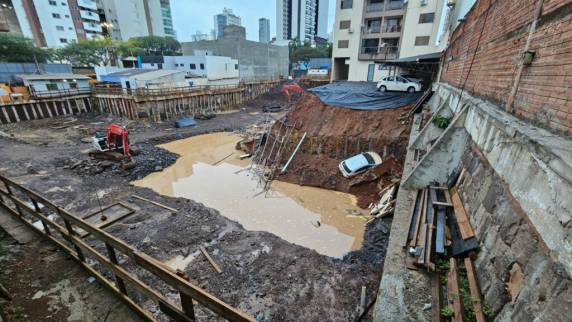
(498, 29)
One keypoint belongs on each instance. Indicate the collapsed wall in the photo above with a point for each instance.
(334, 134)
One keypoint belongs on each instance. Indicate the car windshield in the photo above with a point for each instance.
(346, 168)
(368, 158)
(356, 163)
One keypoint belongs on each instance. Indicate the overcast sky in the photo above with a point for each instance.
(192, 15)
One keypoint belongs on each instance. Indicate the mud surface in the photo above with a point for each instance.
(263, 274)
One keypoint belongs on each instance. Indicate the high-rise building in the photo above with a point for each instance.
(55, 23)
(301, 19)
(226, 18)
(264, 30)
(137, 18)
(369, 32)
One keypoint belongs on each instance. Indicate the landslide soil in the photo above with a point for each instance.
(263, 275)
(335, 133)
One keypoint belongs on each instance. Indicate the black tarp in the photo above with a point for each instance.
(362, 96)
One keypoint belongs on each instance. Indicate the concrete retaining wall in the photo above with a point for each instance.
(518, 199)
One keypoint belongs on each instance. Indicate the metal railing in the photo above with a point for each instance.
(60, 93)
(385, 6)
(390, 28)
(388, 52)
(60, 226)
(394, 5)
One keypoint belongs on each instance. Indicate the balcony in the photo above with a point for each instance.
(388, 27)
(92, 27)
(88, 4)
(376, 6)
(379, 53)
(89, 15)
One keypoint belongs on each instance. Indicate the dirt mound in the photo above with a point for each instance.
(334, 134)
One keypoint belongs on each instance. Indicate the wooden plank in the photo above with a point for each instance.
(155, 203)
(209, 258)
(453, 293)
(444, 204)
(461, 177)
(475, 292)
(419, 218)
(462, 219)
(435, 297)
(413, 217)
(420, 239)
(430, 228)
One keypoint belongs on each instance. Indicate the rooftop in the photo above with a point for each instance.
(50, 76)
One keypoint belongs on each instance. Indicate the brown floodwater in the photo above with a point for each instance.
(209, 171)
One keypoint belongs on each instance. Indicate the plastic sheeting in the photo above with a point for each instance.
(362, 96)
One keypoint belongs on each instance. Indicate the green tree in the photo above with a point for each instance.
(304, 51)
(154, 46)
(18, 49)
(93, 52)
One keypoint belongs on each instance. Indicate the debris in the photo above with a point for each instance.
(91, 279)
(272, 109)
(189, 121)
(293, 153)
(219, 161)
(155, 203)
(362, 299)
(209, 258)
(4, 293)
(244, 156)
(474, 289)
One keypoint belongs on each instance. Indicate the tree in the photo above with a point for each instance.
(154, 46)
(93, 52)
(304, 52)
(18, 49)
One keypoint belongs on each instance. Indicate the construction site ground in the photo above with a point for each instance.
(263, 274)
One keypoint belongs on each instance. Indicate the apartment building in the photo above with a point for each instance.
(369, 32)
(226, 18)
(301, 19)
(55, 23)
(264, 30)
(126, 19)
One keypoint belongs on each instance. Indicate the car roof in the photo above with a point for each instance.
(356, 162)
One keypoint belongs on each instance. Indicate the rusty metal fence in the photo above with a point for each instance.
(61, 227)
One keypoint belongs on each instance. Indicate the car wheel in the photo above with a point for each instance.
(411, 89)
(382, 88)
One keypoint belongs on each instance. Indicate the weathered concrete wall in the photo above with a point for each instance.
(44, 108)
(519, 279)
(518, 200)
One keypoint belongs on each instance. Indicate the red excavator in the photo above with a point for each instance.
(287, 89)
(114, 146)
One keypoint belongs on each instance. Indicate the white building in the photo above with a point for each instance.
(137, 18)
(203, 68)
(145, 78)
(264, 30)
(301, 19)
(226, 18)
(50, 84)
(369, 32)
(52, 23)
(55, 23)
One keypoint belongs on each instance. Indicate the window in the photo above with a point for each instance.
(176, 65)
(345, 24)
(426, 17)
(73, 85)
(52, 3)
(236, 66)
(193, 66)
(70, 28)
(422, 41)
(60, 28)
(56, 15)
(52, 87)
(64, 4)
(63, 40)
(343, 43)
(347, 4)
(202, 66)
(67, 16)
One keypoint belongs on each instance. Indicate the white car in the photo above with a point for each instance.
(359, 163)
(398, 83)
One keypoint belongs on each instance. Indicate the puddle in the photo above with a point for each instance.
(208, 171)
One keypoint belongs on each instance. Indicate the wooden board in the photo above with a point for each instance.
(440, 232)
(209, 258)
(420, 218)
(435, 298)
(453, 293)
(413, 217)
(475, 292)
(462, 218)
